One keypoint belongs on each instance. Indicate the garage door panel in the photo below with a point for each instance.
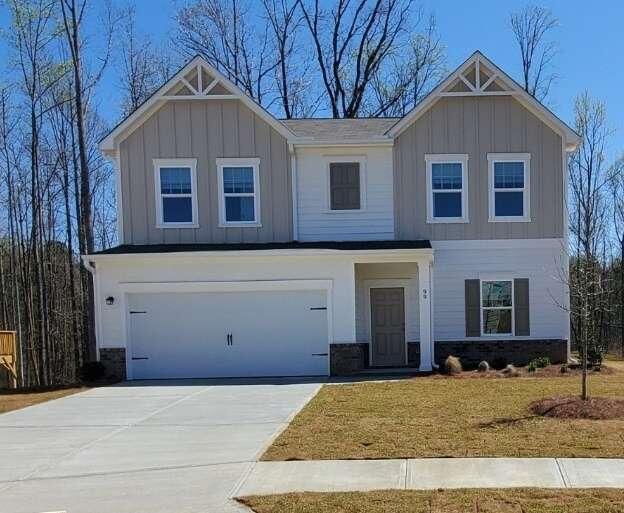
(186, 334)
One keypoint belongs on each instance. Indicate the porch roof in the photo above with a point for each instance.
(365, 245)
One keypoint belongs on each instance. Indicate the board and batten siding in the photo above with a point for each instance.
(542, 262)
(205, 130)
(375, 219)
(477, 126)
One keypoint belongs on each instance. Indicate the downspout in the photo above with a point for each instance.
(294, 192)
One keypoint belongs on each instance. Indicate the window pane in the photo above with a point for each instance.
(497, 321)
(496, 293)
(508, 175)
(238, 180)
(447, 204)
(509, 204)
(446, 175)
(175, 180)
(239, 208)
(177, 210)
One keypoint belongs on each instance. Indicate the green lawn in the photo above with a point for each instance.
(449, 501)
(449, 417)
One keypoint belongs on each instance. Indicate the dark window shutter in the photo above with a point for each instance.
(344, 182)
(473, 308)
(521, 307)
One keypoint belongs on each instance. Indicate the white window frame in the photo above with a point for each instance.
(162, 163)
(336, 159)
(512, 308)
(254, 163)
(493, 158)
(458, 158)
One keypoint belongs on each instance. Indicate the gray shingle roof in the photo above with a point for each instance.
(340, 129)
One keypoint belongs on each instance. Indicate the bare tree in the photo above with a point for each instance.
(616, 187)
(285, 22)
(532, 27)
(220, 30)
(588, 213)
(351, 42)
(144, 66)
(409, 73)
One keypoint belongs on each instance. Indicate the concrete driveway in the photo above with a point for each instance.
(170, 446)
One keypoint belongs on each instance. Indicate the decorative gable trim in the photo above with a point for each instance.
(478, 76)
(197, 80)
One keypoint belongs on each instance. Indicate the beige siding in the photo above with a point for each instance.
(205, 130)
(478, 126)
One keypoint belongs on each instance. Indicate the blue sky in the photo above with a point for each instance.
(590, 38)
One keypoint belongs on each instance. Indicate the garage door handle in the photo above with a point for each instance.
(319, 354)
(140, 358)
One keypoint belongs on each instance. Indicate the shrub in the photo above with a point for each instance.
(92, 371)
(542, 361)
(532, 366)
(483, 366)
(452, 365)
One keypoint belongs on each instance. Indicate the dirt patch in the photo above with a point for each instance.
(573, 407)
(17, 399)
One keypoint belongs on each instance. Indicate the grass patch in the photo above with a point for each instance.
(444, 501)
(15, 400)
(450, 417)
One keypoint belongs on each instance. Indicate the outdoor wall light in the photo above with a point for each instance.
(110, 300)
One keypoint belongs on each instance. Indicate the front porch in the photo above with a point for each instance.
(393, 317)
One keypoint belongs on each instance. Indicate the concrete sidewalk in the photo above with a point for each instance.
(429, 474)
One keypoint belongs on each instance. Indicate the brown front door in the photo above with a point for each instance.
(387, 326)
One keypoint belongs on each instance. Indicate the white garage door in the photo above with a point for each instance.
(228, 334)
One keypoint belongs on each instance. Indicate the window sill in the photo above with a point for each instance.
(509, 220)
(177, 225)
(447, 220)
(242, 224)
(345, 211)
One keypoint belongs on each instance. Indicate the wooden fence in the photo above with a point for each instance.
(8, 355)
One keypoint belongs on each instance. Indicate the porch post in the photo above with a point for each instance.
(424, 302)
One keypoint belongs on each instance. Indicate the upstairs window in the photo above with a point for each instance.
(447, 188)
(238, 192)
(176, 200)
(509, 187)
(344, 183)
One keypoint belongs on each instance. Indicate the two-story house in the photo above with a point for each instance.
(252, 246)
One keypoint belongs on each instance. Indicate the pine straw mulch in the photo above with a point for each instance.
(573, 407)
(552, 371)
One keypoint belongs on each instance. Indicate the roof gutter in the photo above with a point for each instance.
(365, 254)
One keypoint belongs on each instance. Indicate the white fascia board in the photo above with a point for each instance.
(373, 255)
(571, 138)
(305, 142)
(109, 145)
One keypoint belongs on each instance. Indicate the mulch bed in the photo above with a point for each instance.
(552, 371)
(573, 407)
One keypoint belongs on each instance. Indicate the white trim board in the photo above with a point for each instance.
(182, 163)
(570, 137)
(441, 158)
(109, 145)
